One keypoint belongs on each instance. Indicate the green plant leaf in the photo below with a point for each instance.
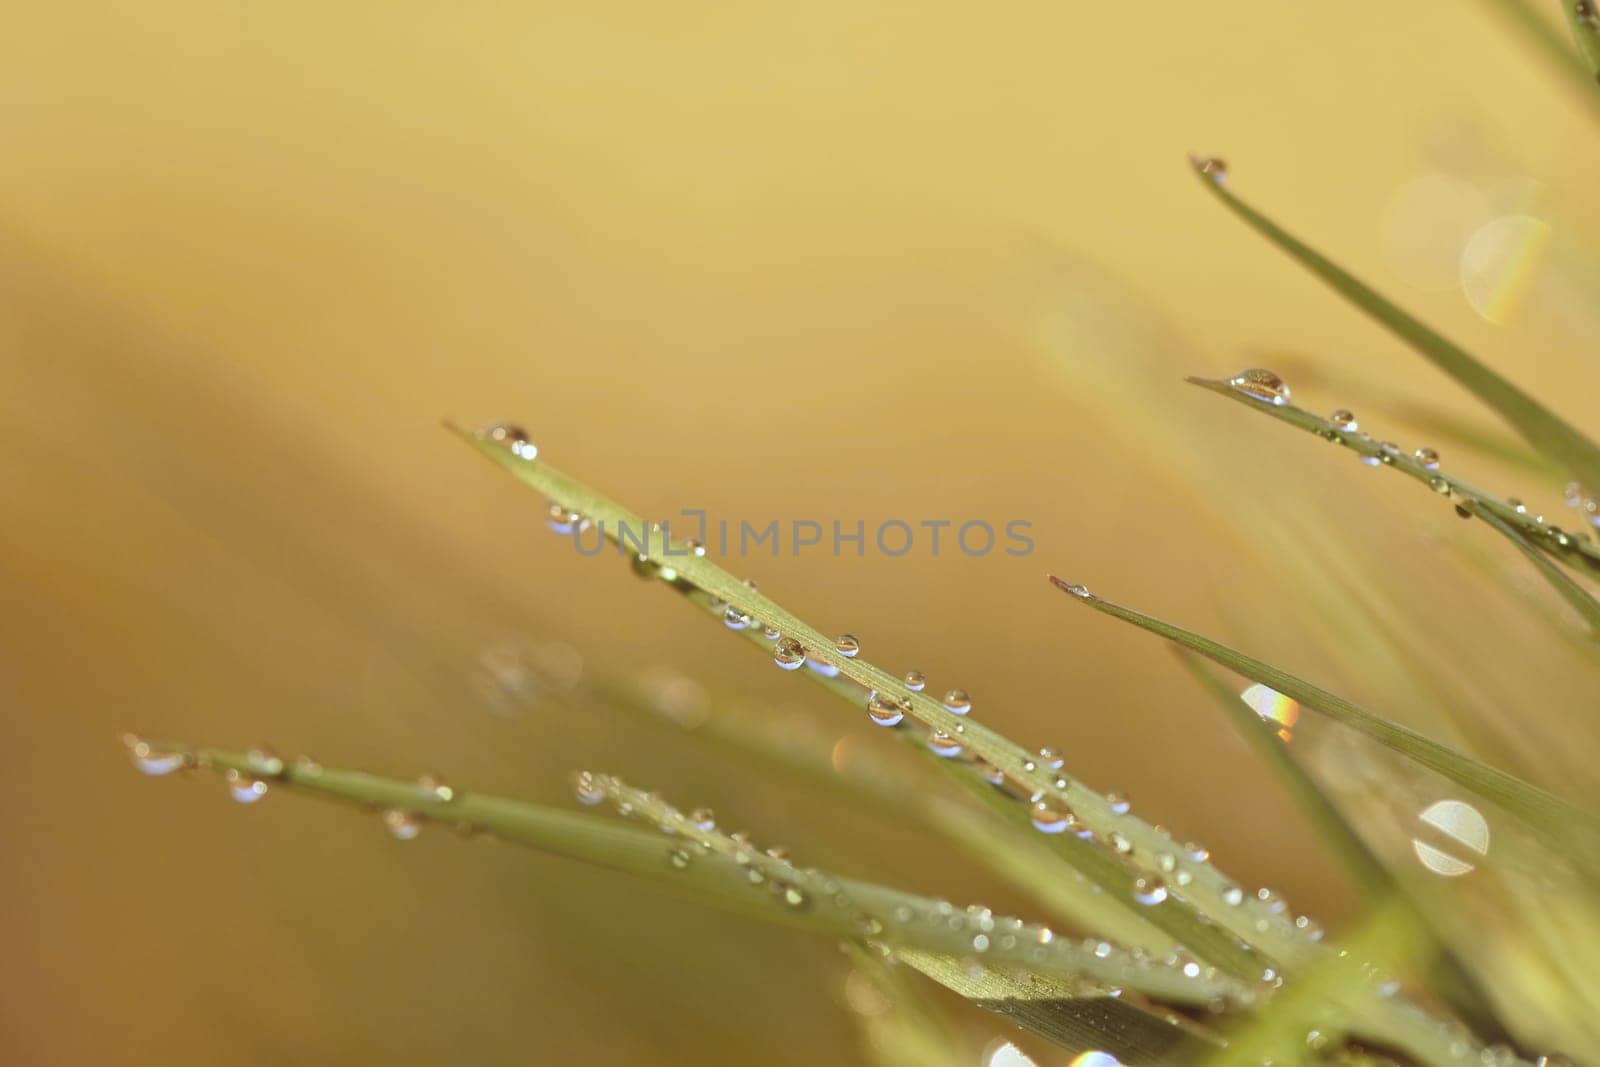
(1583, 19)
(1546, 432)
(1559, 823)
(1576, 596)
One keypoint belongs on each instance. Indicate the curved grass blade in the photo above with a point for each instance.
(1570, 549)
(1555, 820)
(1545, 431)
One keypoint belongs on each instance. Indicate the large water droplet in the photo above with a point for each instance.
(155, 761)
(512, 438)
(789, 654)
(1261, 385)
(915, 680)
(885, 711)
(703, 819)
(943, 744)
(847, 645)
(957, 701)
(402, 825)
(1344, 420)
(1050, 819)
(1428, 458)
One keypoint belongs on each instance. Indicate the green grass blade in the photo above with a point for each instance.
(1071, 1020)
(1576, 596)
(1575, 551)
(704, 863)
(1546, 432)
(1583, 19)
(1556, 821)
(1553, 47)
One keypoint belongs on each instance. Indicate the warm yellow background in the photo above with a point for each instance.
(820, 260)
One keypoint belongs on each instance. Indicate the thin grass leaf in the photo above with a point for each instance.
(1583, 19)
(1555, 820)
(699, 861)
(1569, 548)
(1542, 429)
(1355, 859)
(1554, 48)
(1078, 1023)
(1577, 597)
(898, 1026)
(1315, 1010)
(1258, 920)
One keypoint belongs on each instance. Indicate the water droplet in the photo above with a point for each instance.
(402, 825)
(1261, 385)
(817, 666)
(779, 853)
(957, 701)
(735, 619)
(915, 680)
(885, 711)
(1516, 505)
(679, 858)
(512, 438)
(942, 744)
(1233, 896)
(1387, 451)
(1050, 820)
(1075, 589)
(1212, 167)
(1119, 843)
(1439, 485)
(703, 819)
(771, 633)
(245, 788)
(587, 788)
(1166, 862)
(795, 897)
(1149, 891)
(155, 761)
(1196, 851)
(1344, 420)
(1369, 461)
(434, 788)
(563, 520)
(1428, 458)
(847, 645)
(989, 772)
(695, 548)
(1050, 758)
(1118, 803)
(789, 654)
(1462, 513)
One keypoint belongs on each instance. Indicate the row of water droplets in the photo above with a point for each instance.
(894, 919)
(1058, 804)
(1343, 428)
(263, 768)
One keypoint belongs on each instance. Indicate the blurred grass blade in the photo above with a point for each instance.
(1583, 18)
(898, 1026)
(1552, 45)
(1071, 1020)
(1354, 857)
(1575, 595)
(1327, 999)
(1546, 432)
(1558, 822)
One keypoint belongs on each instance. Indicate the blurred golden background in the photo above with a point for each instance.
(830, 261)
